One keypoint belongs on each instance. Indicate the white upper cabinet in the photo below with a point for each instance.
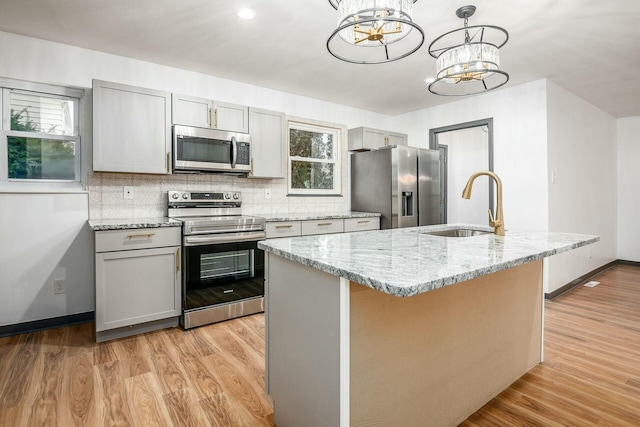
(131, 129)
(364, 138)
(231, 117)
(207, 113)
(191, 111)
(268, 147)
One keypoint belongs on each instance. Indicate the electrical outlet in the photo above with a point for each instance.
(128, 192)
(59, 286)
(267, 193)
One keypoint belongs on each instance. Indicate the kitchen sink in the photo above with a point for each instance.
(457, 232)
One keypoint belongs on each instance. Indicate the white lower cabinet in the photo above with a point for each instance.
(138, 286)
(361, 224)
(311, 227)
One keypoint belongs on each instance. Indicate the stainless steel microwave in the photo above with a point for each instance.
(210, 150)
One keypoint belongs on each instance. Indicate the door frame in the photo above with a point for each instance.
(433, 145)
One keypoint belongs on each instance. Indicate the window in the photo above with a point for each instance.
(40, 137)
(314, 159)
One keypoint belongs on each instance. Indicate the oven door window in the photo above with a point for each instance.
(223, 273)
(194, 149)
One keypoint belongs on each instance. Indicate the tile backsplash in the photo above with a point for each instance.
(106, 200)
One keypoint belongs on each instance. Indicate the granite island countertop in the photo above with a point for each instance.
(130, 223)
(405, 261)
(318, 216)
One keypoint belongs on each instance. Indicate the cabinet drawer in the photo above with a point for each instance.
(361, 224)
(283, 229)
(322, 226)
(137, 238)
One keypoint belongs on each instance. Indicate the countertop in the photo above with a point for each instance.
(128, 223)
(405, 261)
(318, 216)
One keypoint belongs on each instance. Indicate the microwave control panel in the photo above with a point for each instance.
(244, 155)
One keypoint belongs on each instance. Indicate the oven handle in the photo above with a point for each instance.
(223, 238)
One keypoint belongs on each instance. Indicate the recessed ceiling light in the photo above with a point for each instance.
(246, 13)
(429, 80)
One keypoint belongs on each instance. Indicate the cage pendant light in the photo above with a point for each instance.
(467, 59)
(374, 31)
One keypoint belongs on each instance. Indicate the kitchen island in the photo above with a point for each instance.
(400, 327)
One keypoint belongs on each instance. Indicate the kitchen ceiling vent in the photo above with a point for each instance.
(374, 31)
(467, 59)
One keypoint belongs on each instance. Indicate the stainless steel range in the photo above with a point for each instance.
(223, 269)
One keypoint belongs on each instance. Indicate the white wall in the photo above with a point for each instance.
(628, 212)
(44, 237)
(582, 158)
(520, 145)
(468, 152)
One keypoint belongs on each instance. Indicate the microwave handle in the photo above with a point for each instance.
(234, 151)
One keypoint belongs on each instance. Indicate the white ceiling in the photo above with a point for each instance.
(589, 47)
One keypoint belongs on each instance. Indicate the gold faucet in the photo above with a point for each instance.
(498, 222)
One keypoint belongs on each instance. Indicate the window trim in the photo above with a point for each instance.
(314, 126)
(77, 95)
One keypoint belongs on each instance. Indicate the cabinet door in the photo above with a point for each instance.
(230, 117)
(373, 139)
(191, 111)
(138, 286)
(131, 129)
(268, 147)
(394, 138)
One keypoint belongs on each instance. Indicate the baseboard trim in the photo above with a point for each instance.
(625, 262)
(583, 279)
(39, 325)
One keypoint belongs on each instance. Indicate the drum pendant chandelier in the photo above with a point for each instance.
(467, 59)
(374, 31)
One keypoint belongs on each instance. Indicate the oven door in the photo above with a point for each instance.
(222, 273)
(196, 149)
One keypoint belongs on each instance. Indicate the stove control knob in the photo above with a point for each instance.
(185, 196)
(174, 196)
(227, 196)
(235, 196)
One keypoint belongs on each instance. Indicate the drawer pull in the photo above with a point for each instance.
(366, 221)
(147, 235)
(178, 259)
(324, 224)
(285, 226)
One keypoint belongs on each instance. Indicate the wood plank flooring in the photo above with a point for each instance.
(591, 372)
(209, 376)
(214, 375)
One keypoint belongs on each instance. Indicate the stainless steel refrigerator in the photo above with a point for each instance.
(402, 183)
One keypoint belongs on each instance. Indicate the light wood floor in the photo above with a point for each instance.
(209, 376)
(214, 375)
(591, 372)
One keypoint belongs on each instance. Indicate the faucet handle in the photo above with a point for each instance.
(492, 221)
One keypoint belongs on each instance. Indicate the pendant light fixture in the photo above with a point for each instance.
(374, 31)
(467, 59)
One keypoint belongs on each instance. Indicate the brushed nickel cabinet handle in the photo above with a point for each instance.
(168, 162)
(137, 235)
(210, 118)
(285, 226)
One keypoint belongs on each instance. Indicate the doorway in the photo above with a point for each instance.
(464, 148)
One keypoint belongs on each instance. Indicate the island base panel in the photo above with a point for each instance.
(303, 343)
(436, 358)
